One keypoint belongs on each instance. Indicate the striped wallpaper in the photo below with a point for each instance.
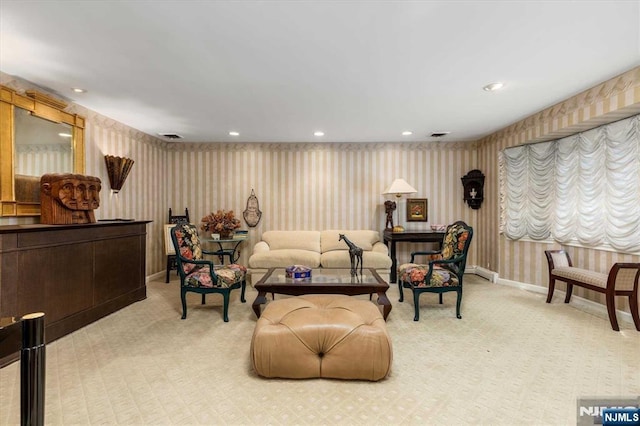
(339, 185)
(318, 186)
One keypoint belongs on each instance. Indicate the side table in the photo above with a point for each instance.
(231, 250)
(390, 238)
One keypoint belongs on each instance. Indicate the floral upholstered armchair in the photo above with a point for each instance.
(444, 271)
(198, 275)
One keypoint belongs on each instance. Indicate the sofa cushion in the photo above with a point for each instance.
(284, 257)
(340, 259)
(381, 248)
(300, 240)
(365, 239)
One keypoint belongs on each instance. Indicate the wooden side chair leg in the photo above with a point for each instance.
(440, 298)
(633, 307)
(552, 287)
(611, 310)
(203, 298)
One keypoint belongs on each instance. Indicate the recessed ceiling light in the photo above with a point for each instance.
(407, 133)
(234, 134)
(318, 133)
(78, 90)
(493, 86)
(65, 135)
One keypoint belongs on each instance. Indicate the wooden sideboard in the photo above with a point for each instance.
(75, 274)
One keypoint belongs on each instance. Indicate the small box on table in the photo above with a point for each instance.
(298, 272)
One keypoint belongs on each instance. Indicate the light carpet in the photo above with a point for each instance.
(512, 359)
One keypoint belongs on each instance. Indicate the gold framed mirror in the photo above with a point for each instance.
(36, 137)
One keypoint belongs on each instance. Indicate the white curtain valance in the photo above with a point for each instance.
(584, 188)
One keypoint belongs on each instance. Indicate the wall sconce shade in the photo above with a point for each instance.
(398, 188)
(118, 169)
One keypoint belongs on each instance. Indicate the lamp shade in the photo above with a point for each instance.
(399, 187)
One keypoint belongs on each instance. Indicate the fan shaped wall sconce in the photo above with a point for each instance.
(118, 169)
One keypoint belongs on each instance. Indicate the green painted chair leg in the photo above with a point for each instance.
(416, 305)
(400, 291)
(225, 305)
(458, 303)
(183, 296)
(243, 287)
(203, 298)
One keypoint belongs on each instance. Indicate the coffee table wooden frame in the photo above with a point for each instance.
(307, 286)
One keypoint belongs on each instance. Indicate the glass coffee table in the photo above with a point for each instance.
(323, 281)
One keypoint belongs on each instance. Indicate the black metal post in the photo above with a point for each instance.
(32, 370)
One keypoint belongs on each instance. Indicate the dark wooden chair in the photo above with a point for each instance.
(171, 259)
(444, 271)
(200, 276)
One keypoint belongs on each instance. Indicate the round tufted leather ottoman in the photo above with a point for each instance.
(329, 336)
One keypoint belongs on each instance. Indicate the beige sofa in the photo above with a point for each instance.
(317, 249)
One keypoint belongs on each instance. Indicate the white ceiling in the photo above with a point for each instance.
(276, 71)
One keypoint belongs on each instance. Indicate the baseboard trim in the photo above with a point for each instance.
(486, 274)
(155, 276)
(577, 301)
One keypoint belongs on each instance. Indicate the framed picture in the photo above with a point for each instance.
(168, 244)
(417, 210)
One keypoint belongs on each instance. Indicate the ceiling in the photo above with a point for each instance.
(276, 71)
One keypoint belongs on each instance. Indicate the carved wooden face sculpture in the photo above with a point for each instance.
(64, 191)
(87, 192)
(81, 195)
(69, 198)
(94, 187)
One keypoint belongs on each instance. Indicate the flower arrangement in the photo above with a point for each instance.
(221, 222)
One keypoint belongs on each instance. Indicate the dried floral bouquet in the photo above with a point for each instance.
(221, 222)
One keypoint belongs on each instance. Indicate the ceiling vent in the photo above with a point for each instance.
(439, 134)
(170, 135)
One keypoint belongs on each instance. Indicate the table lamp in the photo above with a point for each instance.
(399, 187)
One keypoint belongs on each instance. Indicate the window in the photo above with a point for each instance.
(581, 189)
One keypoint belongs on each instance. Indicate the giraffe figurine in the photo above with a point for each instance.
(355, 254)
